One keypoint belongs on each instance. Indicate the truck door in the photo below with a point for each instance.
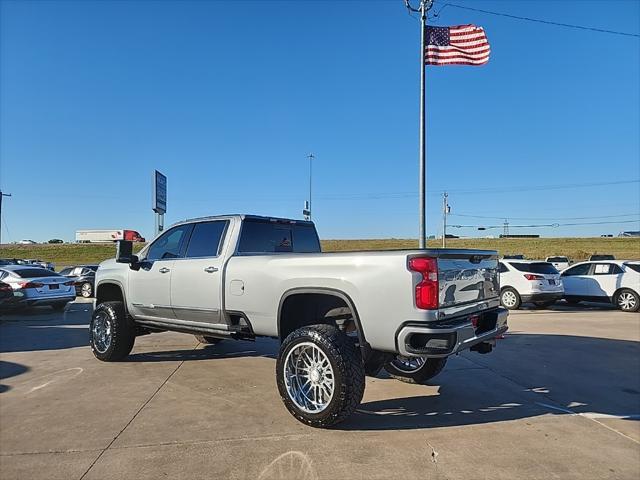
(149, 286)
(196, 280)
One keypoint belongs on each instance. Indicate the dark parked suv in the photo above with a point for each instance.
(83, 277)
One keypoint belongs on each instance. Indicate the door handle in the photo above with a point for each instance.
(164, 270)
(210, 269)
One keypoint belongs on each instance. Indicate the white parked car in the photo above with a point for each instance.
(523, 281)
(27, 242)
(612, 281)
(559, 262)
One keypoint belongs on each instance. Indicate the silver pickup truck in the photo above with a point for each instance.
(338, 316)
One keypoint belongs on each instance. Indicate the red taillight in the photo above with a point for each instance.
(31, 285)
(427, 289)
(531, 276)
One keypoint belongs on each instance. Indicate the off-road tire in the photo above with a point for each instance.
(348, 371)
(207, 340)
(123, 334)
(516, 304)
(428, 370)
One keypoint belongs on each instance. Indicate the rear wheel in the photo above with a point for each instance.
(415, 369)
(207, 339)
(510, 299)
(320, 375)
(628, 301)
(111, 332)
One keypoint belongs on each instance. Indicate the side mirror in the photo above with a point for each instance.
(124, 251)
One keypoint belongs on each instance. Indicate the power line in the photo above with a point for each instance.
(547, 225)
(537, 20)
(546, 218)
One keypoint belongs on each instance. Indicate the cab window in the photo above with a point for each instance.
(206, 239)
(170, 244)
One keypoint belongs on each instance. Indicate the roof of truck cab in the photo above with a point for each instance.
(243, 216)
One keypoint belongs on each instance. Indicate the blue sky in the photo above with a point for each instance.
(228, 98)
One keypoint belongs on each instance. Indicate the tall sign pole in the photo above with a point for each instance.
(159, 199)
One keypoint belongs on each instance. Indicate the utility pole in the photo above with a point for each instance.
(308, 209)
(425, 5)
(446, 209)
(2, 195)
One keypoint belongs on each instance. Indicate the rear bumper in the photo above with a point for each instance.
(420, 340)
(542, 297)
(49, 300)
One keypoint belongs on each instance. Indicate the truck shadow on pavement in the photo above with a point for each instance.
(42, 329)
(10, 369)
(526, 376)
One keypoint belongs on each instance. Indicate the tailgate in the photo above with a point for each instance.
(468, 278)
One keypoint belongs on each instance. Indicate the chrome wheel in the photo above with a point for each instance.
(309, 378)
(86, 290)
(408, 364)
(101, 332)
(509, 299)
(627, 301)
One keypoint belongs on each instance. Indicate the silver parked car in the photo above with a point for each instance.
(38, 286)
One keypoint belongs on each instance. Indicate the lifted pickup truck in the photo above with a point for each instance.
(338, 316)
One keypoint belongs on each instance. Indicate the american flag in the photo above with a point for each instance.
(459, 45)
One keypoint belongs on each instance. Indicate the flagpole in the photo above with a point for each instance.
(422, 210)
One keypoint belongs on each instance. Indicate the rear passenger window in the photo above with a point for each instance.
(502, 268)
(259, 236)
(206, 239)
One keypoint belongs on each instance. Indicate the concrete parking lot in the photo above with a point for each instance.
(559, 398)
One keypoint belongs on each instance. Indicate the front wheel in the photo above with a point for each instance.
(320, 375)
(628, 301)
(415, 369)
(111, 333)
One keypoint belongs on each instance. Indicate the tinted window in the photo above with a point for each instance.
(557, 259)
(577, 270)
(205, 239)
(634, 266)
(601, 257)
(502, 268)
(273, 237)
(169, 244)
(34, 273)
(66, 271)
(542, 267)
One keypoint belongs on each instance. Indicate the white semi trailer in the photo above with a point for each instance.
(107, 236)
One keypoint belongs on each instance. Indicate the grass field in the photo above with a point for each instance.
(535, 248)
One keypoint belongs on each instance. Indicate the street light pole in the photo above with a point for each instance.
(310, 157)
(2, 195)
(445, 212)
